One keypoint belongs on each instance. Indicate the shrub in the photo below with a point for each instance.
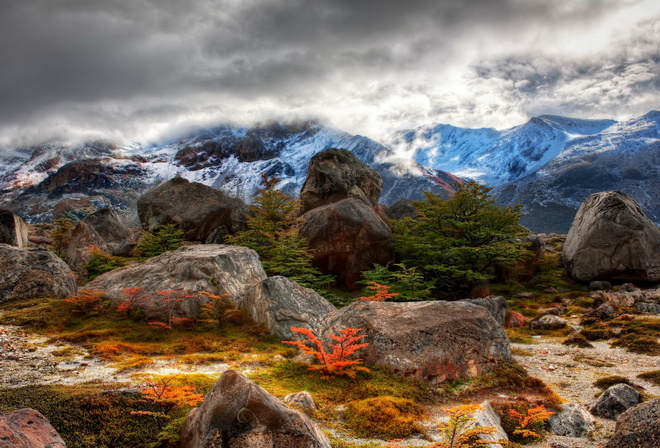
(458, 431)
(653, 376)
(385, 417)
(335, 363)
(61, 236)
(380, 293)
(100, 263)
(85, 302)
(167, 238)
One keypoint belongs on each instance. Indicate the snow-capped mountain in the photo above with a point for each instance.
(549, 164)
(55, 179)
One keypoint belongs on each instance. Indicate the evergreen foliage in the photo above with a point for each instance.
(408, 282)
(459, 241)
(167, 238)
(273, 232)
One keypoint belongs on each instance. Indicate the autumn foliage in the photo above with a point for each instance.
(168, 395)
(381, 293)
(85, 302)
(532, 418)
(336, 362)
(459, 431)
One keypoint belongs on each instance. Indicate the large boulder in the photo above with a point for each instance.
(638, 427)
(217, 269)
(27, 428)
(336, 174)
(13, 230)
(33, 273)
(436, 341)
(612, 239)
(615, 401)
(277, 302)
(195, 208)
(237, 413)
(347, 237)
(280, 303)
(572, 421)
(496, 306)
(102, 230)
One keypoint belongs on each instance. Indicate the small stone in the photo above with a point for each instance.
(302, 401)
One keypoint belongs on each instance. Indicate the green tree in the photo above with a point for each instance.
(273, 232)
(459, 241)
(167, 238)
(408, 282)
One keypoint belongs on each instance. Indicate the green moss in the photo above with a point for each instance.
(385, 417)
(85, 418)
(288, 377)
(639, 343)
(520, 352)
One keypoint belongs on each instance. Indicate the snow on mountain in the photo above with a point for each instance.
(36, 181)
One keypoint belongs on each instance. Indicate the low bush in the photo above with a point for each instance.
(385, 417)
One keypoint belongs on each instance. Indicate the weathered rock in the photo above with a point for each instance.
(347, 237)
(647, 308)
(515, 320)
(33, 273)
(27, 428)
(336, 174)
(216, 269)
(102, 230)
(496, 306)
(599, 285)
(436, 341)
(638, 427)
(615, 401)
(237, 413)
(572, 421)
(302, 401)
(13, 230)
(280, 303)
(548, 322)
(488, 417)
(196, 208)
(612, 239)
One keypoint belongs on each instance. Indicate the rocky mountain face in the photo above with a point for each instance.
(57, 179)
(550, 164)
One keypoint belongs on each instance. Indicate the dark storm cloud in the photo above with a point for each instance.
(131, 67)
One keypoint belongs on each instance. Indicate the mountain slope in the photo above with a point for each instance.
(550, 164)
(39, 183)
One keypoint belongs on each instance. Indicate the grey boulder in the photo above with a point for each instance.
(615, 401)
(237, 413)
(638, 427)
(572, 421)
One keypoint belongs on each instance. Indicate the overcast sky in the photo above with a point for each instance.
(145, 69)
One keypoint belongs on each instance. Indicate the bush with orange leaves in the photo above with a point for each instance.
(529, 423)
(380, 293)
(164, 391)
(85, 302)
(459, 432)
(335, 363)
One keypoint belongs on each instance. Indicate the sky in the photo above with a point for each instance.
(147, 70)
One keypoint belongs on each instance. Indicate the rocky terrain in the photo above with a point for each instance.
(209, 313)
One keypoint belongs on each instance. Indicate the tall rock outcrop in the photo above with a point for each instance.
(434, 340)
(101, 230)
(345, 232)
(612, 239)
(336, 174)
(195, 208)
(13, 230)
(237, 413)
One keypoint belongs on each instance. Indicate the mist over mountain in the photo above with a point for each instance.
(549, 165)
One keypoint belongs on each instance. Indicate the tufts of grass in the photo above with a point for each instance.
(653, 377)
(510, 378)
(385, 417)
(578, 340)
(519, 336)
(609, 381)
(520, 352)
(639, 343)
(592, 361)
